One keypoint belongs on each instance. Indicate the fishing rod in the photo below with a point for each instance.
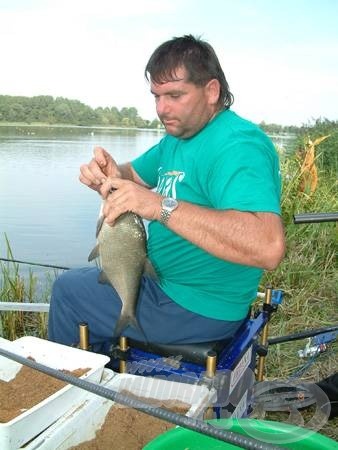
(302, 335)
(315, 217)
(34, 264)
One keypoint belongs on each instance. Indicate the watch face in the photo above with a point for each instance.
(169, 202)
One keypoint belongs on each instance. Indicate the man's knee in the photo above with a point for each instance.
(65, 283)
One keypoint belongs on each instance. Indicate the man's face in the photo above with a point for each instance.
(183, 107)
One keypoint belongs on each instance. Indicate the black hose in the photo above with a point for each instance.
(301, 335)
(34, 264)
(187, 422)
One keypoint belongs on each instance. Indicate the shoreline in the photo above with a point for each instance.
(57, 125)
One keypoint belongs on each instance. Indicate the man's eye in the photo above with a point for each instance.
(175, 95)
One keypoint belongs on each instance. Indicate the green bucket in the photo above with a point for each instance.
(275, 433)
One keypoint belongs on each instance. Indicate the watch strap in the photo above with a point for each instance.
(164, 216)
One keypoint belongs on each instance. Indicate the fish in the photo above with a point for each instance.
(121, 250)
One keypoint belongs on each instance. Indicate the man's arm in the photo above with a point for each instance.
(254, 239)
(128, 173)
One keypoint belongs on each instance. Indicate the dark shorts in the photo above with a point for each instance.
(77, 297)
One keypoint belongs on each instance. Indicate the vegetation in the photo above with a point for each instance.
(14, 287)
(59, 110)
(308, 273)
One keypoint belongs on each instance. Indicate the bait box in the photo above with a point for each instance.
(30, 423)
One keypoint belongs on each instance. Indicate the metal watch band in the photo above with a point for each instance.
(164, 217)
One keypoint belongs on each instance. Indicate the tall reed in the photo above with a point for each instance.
(16, 287)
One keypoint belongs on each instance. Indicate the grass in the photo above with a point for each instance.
(308, 276)
(15, 287)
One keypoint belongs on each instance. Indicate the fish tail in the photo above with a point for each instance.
(125, 321)
(121, 324)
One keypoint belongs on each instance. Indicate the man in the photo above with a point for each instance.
(211, 191)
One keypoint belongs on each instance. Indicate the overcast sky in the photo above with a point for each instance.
(280, 57)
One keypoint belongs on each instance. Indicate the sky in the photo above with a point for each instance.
(280, 57)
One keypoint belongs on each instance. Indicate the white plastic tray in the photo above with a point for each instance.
(92, 411)
(32, 422)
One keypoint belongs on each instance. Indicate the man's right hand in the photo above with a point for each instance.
(98, 169)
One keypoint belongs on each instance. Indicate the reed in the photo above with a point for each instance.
(16, 287)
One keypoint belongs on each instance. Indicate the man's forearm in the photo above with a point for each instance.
(255, 239)
(128, 173)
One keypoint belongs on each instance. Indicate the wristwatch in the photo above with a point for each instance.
(169, 205)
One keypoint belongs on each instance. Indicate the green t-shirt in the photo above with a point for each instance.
(229, 164)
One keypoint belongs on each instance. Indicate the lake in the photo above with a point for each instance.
(48, 216)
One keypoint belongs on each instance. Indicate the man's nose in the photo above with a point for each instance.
(162, 106)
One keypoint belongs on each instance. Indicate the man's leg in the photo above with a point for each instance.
(165, 322)
(78, 297)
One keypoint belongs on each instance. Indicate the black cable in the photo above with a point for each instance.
(187, 422)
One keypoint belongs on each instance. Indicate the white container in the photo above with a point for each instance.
(32, 422)
(81, 423)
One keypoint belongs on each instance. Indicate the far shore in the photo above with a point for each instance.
(60, 125)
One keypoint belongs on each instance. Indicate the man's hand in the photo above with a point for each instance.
(98, 169)
(125, 195)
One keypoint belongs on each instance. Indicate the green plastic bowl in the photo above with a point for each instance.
(275, 433)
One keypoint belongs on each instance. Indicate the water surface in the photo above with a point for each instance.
(47, 214)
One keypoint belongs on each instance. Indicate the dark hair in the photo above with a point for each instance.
(197, 57)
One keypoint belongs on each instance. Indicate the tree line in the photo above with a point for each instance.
(63, 111)
(60, 110)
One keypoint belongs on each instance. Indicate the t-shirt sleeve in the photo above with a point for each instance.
(147, 165)
(246, 177)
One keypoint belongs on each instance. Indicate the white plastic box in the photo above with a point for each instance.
(32, 422)
(81, 423)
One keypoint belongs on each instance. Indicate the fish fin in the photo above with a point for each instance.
(150, 270)
(99, 225)
(103, 278)
(94, 253)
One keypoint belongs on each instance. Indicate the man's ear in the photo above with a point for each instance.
(213, 90)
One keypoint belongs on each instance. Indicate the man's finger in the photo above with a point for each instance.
(101, 156)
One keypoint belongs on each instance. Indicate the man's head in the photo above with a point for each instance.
(188, 84)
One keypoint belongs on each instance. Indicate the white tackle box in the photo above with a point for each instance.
(32, 422)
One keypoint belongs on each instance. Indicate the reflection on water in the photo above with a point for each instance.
(47, 214)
